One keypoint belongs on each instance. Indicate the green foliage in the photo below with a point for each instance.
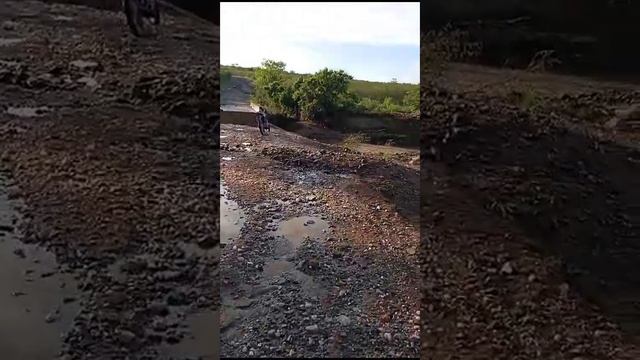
(225, 77)
(380, 91)
(269, 81)
(409, 103)
(411, 99)
(362, 96)
(315, 96)
(239, 71)
(323, 93)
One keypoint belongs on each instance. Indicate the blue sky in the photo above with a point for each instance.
(370, 41)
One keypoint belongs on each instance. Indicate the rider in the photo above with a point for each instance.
(261, 117)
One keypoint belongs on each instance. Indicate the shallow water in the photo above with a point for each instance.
(296, 230)
(204, 339)
(232, 217)
(35, 298)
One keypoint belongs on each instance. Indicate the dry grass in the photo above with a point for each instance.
(353, 140)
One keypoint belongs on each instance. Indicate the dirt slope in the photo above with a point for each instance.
(530, 220)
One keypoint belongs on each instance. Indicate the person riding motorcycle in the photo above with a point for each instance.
(263, 121)
(137, 10)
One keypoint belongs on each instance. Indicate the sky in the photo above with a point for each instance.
(370, 41)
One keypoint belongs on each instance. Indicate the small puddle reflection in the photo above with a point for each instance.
(296, 230)
(204, 339)
(232, 217)
(35, 298)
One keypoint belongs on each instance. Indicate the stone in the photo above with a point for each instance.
(507, 268)
(344, 320)
(85, 65)
(9, 25)
(158, 308)
(52, 317)
(126, 337)
(312, 328)
(177, 298)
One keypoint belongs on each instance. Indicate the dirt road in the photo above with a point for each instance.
(530, 219)
(236, 92)
(107, 141)
(322, 260)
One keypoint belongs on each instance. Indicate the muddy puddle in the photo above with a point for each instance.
(232, 217)
(36, 297)
(297, 229)
(203, 338)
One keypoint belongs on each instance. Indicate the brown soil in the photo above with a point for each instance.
(530, 213)
(369, 265)
(111, 168)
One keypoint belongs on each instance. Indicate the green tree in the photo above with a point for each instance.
(269, 82)
(324, 93)
(314, 97)
(411, 99)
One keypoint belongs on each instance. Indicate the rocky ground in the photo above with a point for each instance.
(530, 221)
(324, 260)
(109, 142)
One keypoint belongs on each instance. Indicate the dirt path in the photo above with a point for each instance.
(107, 141)
(530, 222)
(237, 92)
(325, 262)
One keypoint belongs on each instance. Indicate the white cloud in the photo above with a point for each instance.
(250, 32)
(362, 23)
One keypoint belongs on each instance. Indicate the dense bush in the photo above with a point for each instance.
(320, 95)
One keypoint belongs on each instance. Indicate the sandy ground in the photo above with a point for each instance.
(108, 142)
(529, 217)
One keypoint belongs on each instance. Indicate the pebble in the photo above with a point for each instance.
(84, 65)
(126, 337)
(344, 320)
(9, 25)
(52, 317)
(507, 268)
(312, 328)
